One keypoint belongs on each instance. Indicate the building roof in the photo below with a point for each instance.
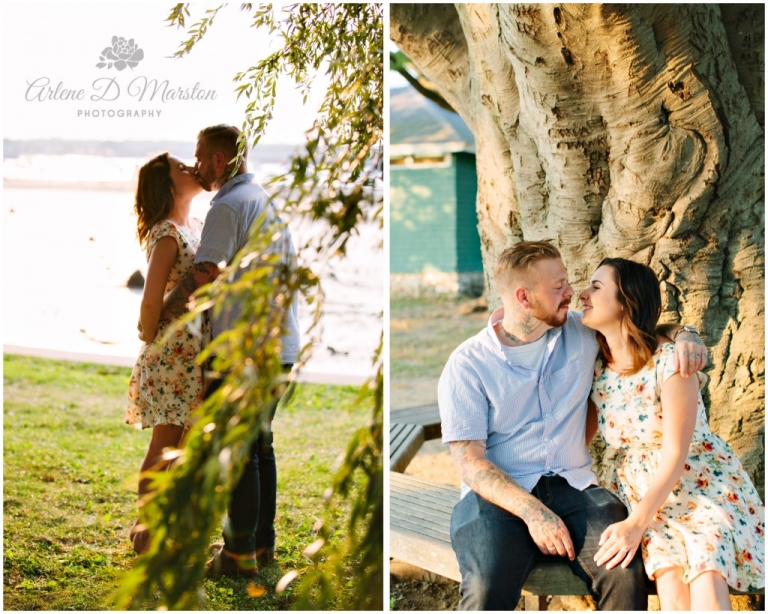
(419, 126)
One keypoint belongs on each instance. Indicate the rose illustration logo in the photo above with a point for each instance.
(122, 53)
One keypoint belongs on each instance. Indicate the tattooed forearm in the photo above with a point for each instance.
(547, 529)
(175, 303)
(491, 483)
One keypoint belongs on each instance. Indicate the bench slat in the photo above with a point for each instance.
(426, 510)
(401, 436)
(398, 433)
(425, 515)
(426, 415)
(434, 530)
(418, 414)
(416, 503)
(404, 443)
(435, 534)
(422, 551)
(449, 496)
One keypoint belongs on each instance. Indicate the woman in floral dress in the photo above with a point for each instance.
(166, 383)
(693, 510)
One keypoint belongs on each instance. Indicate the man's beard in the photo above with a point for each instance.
(555, 319)
(204, 183)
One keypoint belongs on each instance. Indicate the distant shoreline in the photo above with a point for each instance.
(13, 148)
(109, 186)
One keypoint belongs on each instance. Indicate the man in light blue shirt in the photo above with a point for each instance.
(249, 537)
(513, 406)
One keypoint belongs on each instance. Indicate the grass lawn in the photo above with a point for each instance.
(70, 477)
(423, 333)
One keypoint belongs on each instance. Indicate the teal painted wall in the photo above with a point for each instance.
(422, 219)
(433, 221)
(468, 257)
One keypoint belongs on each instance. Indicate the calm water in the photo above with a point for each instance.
(69, 252)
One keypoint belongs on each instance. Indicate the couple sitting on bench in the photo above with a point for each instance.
(519, 403)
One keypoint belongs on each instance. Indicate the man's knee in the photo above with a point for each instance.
(625, 586)
(629, 576)
(493, 591)
(495, 554)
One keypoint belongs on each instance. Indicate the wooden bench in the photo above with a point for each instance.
(409, 429)
(419, 523)
(427, 416)
(420, 517)
(404, 443)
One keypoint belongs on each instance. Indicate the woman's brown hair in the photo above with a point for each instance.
(154, 195)
(639, 293)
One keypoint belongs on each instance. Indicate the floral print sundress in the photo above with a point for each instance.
(713, 520)
(166, 384)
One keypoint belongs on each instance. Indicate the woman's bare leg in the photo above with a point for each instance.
(709, 591)
(674, 594)
(163, 436)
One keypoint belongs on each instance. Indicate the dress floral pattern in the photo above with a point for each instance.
(166, 384)
(713, 520)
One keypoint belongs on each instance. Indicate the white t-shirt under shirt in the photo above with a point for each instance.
(530, 355)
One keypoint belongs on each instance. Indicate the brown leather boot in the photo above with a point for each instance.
(231, 565)
(139, 536)
(265, 556)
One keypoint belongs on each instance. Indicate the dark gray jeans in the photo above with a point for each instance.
(496, 552)
(250, 526)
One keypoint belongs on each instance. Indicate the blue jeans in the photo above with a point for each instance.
(250, 525)
(496, 553)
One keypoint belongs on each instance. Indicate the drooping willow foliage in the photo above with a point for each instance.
(334, 181)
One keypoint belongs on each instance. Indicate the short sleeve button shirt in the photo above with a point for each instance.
(532, 420)
(234, 209)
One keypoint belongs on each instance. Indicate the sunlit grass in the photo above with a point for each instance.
(70, 466)
(424, 332)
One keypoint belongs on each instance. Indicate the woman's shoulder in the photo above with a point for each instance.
(664, 361)
(163, 228)
(664, 353)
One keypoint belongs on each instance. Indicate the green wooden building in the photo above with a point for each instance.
(434, 242)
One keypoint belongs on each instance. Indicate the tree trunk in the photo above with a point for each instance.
(623, 130)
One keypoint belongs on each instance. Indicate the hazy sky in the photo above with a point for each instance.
(58, 45)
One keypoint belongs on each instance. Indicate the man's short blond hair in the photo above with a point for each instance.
(223, 138)
(516, 261)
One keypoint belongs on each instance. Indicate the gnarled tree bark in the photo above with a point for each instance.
(623, 130)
